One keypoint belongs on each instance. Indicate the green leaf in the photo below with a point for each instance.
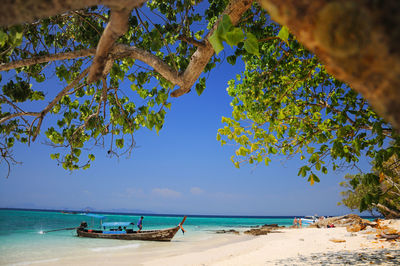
(310, 149)
(37, 95)
(284, 33)
(77, 152)
(198, 34)
(200, 86)
(251, 44)
(303, 171)
(158, 127)
(134, 87)
(313, 178)
(91, 157)
(119, 143)
(3, 38)
(216, 42)
(324, 170)
(224, 27)
(231, 59)
(56, 108)
(234, 36)
(18, 37)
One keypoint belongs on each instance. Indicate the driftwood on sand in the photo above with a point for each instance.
(355, 223)
(342, 221)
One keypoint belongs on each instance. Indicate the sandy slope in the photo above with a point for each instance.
(306, 246)
(296, 247)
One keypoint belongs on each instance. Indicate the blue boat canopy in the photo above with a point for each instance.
(95, 215)
(116, 224)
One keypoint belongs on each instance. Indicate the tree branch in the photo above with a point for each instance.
(103, 98)
(203, 54)
(269, 39)
(118, 51)
(122, 51)
(117, 27)
(46, 58)
(11, 116)
(191, 41)
(108, 50)
(393, 212)
(57, 99)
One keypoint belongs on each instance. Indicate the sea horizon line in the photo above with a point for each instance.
(169, 214)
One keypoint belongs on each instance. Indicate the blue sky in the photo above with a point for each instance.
(183, 170)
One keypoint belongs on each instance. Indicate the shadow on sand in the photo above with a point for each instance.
(367, 257)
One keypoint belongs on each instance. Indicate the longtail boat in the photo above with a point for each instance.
(129, 234)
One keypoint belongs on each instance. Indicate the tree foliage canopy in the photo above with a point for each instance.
(377, 191)
(284, 102)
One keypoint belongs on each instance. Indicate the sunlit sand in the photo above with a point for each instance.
(288, 246)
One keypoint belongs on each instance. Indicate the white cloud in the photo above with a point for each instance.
(196, 191)
(166, 192)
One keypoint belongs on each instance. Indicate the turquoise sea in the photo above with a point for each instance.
(21, 241)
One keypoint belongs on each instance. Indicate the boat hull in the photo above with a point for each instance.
(153, 235)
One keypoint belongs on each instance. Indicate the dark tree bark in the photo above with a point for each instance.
(21, 11)
(357, 40)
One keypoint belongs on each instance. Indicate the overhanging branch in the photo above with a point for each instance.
(123, 51)
(117, 52)
(56, 100)
(11, 116)
(203, 54)
(117, 27)
(46, 58)
(107, 50)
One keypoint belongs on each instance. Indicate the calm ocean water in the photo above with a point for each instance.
(21, 242)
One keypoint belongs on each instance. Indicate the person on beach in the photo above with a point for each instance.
(140, 224)
(300, 222)
(295, 222)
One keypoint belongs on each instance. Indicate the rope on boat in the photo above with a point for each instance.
(48, 231)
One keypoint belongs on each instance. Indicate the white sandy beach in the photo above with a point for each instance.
(285, 247)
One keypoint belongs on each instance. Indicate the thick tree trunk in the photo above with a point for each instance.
(357, 40)
(22, 11)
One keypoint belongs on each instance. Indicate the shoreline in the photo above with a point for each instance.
(295, 247)
(288, 246)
